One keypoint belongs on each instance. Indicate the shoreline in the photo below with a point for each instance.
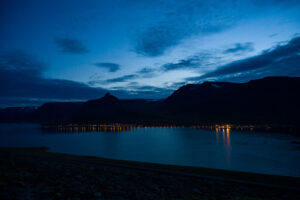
(143, 175)
(96, 127)
(116, 127)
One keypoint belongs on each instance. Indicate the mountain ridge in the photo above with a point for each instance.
(262, 101)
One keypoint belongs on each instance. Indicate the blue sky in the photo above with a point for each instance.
(140, 49)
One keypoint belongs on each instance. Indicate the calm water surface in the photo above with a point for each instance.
(269, 153)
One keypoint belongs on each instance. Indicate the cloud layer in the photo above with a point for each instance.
(189, 63)
(181, 21)
(240, 48)
(71, 45)
(21, 77)
(111, 67)
(280, 60)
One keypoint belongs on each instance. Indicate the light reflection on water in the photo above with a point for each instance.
(225, 132)
(221, 147)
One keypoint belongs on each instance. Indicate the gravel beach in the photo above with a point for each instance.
(34, 173)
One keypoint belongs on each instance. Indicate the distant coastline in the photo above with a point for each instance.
(268, 104)
(116, 127)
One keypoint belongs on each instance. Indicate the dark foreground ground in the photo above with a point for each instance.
(37, 174)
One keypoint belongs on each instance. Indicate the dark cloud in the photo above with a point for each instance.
(280, 60)
(21, 80)
(189, 63)
(201, 61)
(71, 45)
(143, 73)
(146, 70)
(21, 84)
(157, 38)
(111, 67)
(121, 79)
(146, 91)
(21, 61)
(183, 20)
(240, 48)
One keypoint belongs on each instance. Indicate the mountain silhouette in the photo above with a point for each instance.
(107, 99)
(271, 100)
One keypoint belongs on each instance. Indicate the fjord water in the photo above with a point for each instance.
(260, 152)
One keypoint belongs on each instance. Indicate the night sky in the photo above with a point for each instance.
(62, 50)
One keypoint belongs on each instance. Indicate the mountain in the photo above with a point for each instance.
(267, 100)
(105, 109)
(107, 99)
(271, 100)
(109, 109)
(57, 111)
